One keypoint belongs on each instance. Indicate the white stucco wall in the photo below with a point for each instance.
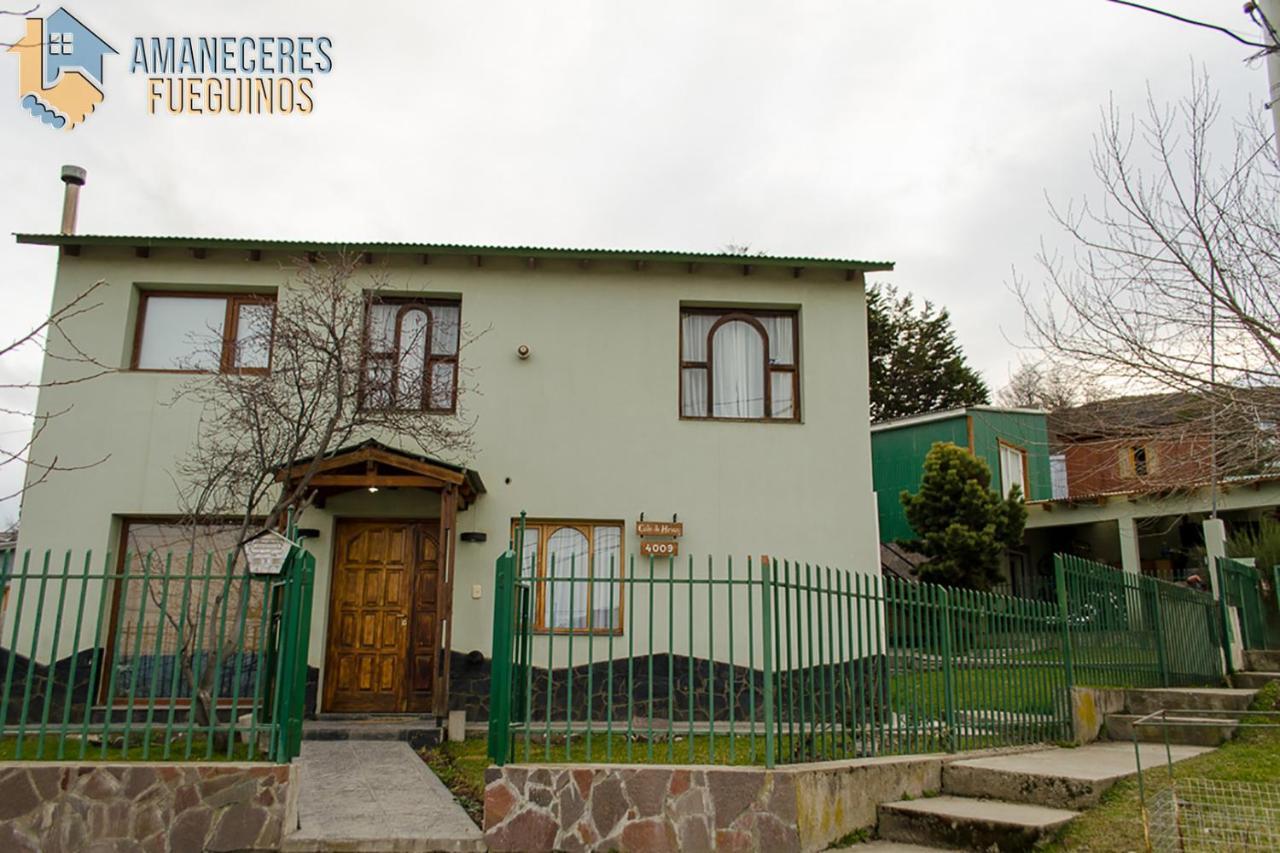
(587, 427)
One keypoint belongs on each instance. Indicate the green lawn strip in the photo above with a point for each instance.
(71, 750)
(1116, 824)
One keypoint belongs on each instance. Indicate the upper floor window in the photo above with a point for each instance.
(1137, 461)
(739, 364)
(1013, 469)
(204, 332)
(411, 355)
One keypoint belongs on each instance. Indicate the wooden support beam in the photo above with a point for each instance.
(477, 260)
(255, 254)
(426, 259)
(364, 481)
(366, 258)
(693, 268)
(444, 597)
(850, 275)
(746, 269)
(199, 253)
(795, 271)
(311, 257)
(71, 249)
(532, 263)
(141, 252)
(640, 265)
(584, 264)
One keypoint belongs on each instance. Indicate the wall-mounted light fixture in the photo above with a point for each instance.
(473, 536)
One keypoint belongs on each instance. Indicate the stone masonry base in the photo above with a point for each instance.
(665, 808)
(149, 808)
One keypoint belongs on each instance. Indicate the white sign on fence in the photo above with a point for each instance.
(266, 553)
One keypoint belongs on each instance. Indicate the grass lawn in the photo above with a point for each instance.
(1116, 825)
(35, 748)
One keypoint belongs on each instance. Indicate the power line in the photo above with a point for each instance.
(1193, 22)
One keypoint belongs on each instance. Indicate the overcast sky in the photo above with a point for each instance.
(923, 133)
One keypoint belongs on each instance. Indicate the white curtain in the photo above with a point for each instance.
(444, 335)
(606, 563)
(693, 392)
(782, 394)
(182, 333)
(781, 340)
(737, 364)
(412, 358)
(253, 334)
(693, 332)
(567, 551)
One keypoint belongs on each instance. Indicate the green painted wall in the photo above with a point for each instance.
(897, 461)
(897, 457)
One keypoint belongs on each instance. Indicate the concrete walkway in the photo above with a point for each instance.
(375, 796)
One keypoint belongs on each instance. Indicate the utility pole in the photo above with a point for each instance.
(1270, 14)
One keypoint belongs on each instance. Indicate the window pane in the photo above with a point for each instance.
(737, 371)
(1011, 463)
(781, 339)
(567, 551)
(253, 334)
(693, 394)
(693, 331)
(442, 384)
(182, 333)
(782, 391)
(377, 390)
(412, 365)
(529, 554)
(606, 563)
(382, 327)
(444, 335)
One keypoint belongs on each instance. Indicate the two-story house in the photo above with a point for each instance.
(730, 392)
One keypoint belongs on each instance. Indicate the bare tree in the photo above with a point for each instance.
(53, 339)
(1171, 287)
(303, 382)
(1048, 386)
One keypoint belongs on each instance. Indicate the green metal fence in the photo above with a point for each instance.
(762, 661)
(1130, 630)
(153, 657)
(1240, 586)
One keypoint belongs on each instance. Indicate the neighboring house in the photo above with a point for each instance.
(730, 392)
(1012, 442)
(1138, 479)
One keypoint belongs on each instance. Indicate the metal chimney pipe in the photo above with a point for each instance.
(74, 178)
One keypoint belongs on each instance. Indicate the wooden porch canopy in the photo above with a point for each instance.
(373, 465)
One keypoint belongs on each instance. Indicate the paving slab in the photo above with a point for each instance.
(1057, 777)
(970, 824)
(888, 847)
(378, 797)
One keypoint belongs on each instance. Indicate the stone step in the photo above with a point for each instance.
(1265, 660)
(1180, 729)
(970, 824)
(1058, 778)
(1253, 680)
(1149, 700)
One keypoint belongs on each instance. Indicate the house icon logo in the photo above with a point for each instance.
(60, 69)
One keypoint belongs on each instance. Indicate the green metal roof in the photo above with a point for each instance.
(537, 252)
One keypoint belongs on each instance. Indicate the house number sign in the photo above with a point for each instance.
(661, 548)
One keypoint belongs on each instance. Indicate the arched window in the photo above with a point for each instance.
(411, 355)
(577, 567)
(738, 365)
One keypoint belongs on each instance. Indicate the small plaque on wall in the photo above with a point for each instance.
(665, 548)
(660, 528)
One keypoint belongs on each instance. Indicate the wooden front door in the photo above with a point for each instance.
(378, 615)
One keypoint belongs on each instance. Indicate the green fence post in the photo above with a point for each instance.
(1060, 572)
(1226, 616)
(301, 650)
(500, 673)
(1162, 654)
(948, 685)
(766, 627)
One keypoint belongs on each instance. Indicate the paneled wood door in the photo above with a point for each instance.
(376, 613)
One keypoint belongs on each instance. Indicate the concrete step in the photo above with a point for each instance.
(887, 847)
(416, 732)
(1253, 680)
(1267, 660)
(1146, 701)
(970, 824)
(1180, 729)
(1058, 778)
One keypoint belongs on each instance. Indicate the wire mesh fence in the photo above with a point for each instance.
(1195, 814)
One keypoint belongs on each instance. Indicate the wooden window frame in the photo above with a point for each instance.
(230, 325)
(368, 356)
(545, 527)
(1148, 461)
(751, 316)
(1026, 474)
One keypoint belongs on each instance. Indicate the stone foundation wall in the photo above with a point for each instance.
(661, 808)
(149, 808)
